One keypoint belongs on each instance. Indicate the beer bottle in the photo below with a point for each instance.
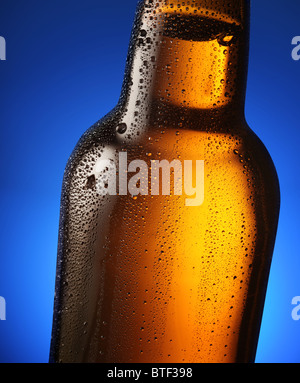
(170, 203)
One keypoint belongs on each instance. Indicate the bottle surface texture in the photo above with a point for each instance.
(170, 203)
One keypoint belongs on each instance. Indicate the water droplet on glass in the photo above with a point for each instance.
(121, 128)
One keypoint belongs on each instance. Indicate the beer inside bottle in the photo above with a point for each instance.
(170, 203)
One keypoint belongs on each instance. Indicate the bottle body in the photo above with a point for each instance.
(144, 276)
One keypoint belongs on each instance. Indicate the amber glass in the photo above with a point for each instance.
(146, 278)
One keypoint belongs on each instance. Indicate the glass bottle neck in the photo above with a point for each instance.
(192, 58)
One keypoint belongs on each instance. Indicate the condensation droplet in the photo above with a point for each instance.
(121, 128)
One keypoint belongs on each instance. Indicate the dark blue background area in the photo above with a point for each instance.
(64, 71)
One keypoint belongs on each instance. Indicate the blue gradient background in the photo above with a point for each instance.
(64, 70)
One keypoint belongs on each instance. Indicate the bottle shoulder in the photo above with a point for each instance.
(259, 161)
(100, 134)
(258, 150)
(110, 135)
